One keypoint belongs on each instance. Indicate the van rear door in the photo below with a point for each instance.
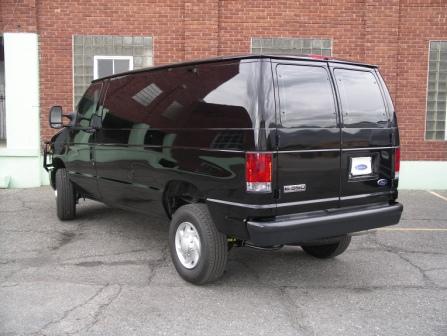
(308, 137)
(368, 136)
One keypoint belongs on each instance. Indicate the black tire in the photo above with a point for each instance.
(214, 248)
(65, 196)
(326, 251)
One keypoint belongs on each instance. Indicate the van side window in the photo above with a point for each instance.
(88, 105)
(305, 96)
(361, 99)
(206, 96)
(114, 130)
(116, 125)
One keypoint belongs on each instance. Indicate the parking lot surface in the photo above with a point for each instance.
(108, 272)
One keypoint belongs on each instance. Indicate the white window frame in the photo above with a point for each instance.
(99, 57)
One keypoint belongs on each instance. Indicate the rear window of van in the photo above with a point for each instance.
(305, 96)
(362, 102)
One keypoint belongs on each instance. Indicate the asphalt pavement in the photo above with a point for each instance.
(108, 272)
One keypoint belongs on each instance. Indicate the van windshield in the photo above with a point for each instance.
(87, 105)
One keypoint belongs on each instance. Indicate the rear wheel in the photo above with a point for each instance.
(325, 251)
(198, 250)
(65, 196)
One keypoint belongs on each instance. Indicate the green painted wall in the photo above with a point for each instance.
(22, 171)
(423, 175)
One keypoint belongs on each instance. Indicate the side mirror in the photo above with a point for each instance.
(56, 117)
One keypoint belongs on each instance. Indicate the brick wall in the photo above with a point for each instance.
(391, 33)
(201, 19)
(419, 23)
(18, 16)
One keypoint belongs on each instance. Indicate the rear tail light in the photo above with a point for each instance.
(396, 163)
(258, 172)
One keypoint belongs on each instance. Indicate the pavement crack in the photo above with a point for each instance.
(158, 263)
(83, 316)
(67, 312)
(399, 253)
(295, 314)
(152, 275)
(9, 285)
(112, 263)
(426, 278)
(102, 308)
(105, 255)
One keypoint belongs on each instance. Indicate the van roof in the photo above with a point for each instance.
(307, 57)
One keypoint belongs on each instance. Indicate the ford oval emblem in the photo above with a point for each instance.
(382, 182)
(361, 166)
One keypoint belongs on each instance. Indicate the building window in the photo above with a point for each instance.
(114, 53)
(291, 46)
(435, 125)
(109, 65)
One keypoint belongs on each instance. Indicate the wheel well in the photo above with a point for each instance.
(178, 193)
(57, 164)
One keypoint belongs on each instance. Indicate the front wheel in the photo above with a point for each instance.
(325, 251)
(65, 196)
(198, 249)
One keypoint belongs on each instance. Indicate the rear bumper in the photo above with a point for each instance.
(322, 224)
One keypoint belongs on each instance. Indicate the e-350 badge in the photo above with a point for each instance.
(294, 188)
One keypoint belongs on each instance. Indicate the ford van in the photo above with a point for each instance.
(256, 150)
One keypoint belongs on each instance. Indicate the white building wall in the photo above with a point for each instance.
(20, 158)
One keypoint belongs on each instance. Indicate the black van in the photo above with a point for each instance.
(255, 150)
